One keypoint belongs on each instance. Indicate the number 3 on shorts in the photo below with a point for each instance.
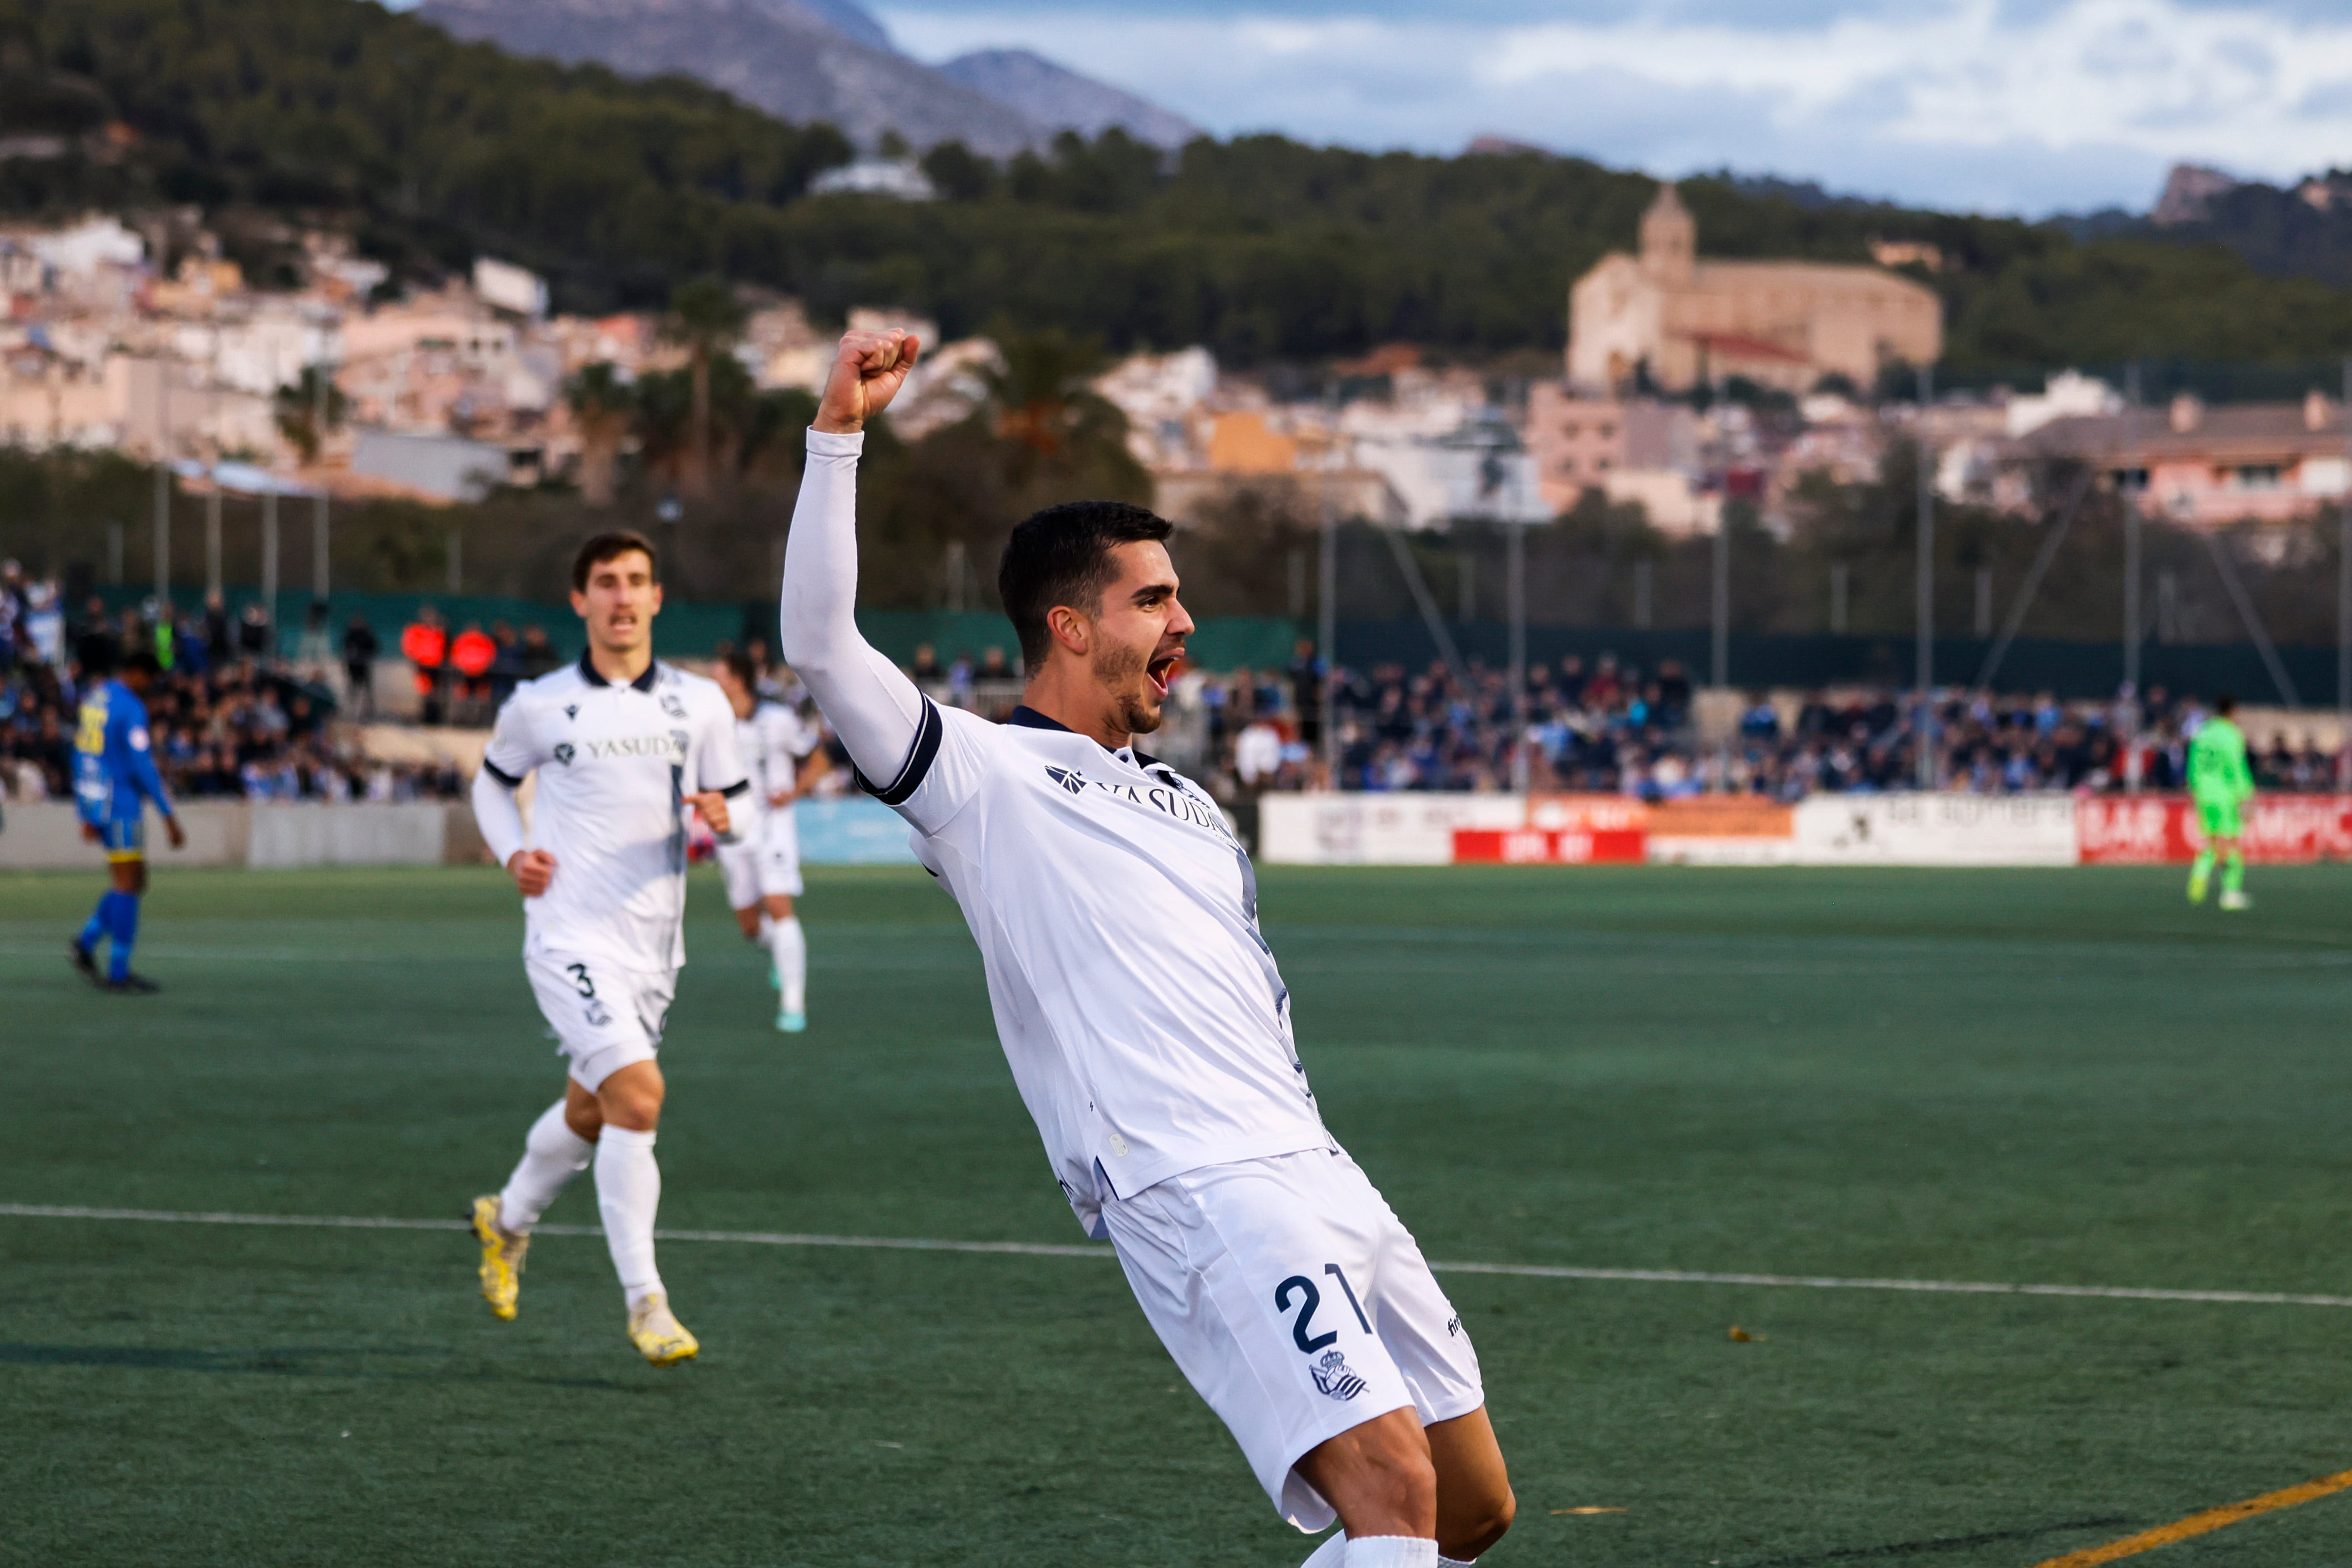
(1300, 1285)
(579, 973)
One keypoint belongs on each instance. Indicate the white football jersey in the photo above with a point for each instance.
(770, 744)
(1140, 1007)
(615, 764)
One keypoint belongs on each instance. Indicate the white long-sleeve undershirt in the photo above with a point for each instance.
(498, 816)
(872, 705)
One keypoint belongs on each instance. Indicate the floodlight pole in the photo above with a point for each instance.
(321, 396)
(163, 529)
(269, 560)
(2343, 598)
(1517, 535)
(2131, 592)
(1926, 609)
(213, 583)
(1719, 601)
(1327, 637)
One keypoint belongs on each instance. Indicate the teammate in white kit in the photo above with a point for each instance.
(1147, 1026)
(623, 746)
(764, 867)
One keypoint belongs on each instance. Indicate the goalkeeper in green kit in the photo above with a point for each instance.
(2221, 783)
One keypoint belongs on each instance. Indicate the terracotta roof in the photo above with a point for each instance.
(1746, 348)
(2232, 433)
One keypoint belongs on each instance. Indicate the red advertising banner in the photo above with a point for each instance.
(2161, 829)
(1539, 846)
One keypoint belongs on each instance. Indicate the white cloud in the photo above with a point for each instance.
(2070, 103)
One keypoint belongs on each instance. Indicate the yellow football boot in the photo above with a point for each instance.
(659, 1337)
(501, 1259)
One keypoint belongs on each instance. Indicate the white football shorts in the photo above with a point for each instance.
(766, 864)
(604, 1016)
(1297, 1305)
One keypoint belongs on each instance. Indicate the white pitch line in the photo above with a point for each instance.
(1050, 1249)
(1933, 1287)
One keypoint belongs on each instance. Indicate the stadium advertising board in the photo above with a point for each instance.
(1936, 830)
(1404, 828)
(851, 829)
(1562, 830)
(1537, 846)
(2158, 830)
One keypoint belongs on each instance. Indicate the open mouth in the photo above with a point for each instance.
(1159, 672)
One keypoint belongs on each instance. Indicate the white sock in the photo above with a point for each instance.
(1331, 1553)
(790, 950)
(1391, 1552)
(1445, 1562)
(552, 1154)
(628, 1191)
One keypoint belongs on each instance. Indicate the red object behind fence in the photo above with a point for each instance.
(474, 654)
(1537, 846)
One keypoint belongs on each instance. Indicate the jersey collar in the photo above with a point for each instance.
(644, 683)
(1028, 717)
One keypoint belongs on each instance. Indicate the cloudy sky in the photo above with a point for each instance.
(2028, 106)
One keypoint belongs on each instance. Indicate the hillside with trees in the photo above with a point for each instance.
(275, 112)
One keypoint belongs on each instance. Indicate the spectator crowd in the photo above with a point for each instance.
(233, 718)
(1615, 729)
(230, 718)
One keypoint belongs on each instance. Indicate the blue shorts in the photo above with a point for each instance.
(125, 838)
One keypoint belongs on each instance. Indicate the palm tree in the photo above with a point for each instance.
(1047, 418)
(706, 318)
(601, 405)
(300, 405)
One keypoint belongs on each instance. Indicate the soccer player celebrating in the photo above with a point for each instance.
(1147, 1026)
(2221, 783)
(764, 867)
(114, 777)
(616, 740)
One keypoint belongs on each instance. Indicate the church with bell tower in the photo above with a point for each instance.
(1783, 324)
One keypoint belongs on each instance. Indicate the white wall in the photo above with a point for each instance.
(48, 836)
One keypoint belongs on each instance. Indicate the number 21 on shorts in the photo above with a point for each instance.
(1330, 1370)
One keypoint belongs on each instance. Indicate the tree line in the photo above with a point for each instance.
(430, 151)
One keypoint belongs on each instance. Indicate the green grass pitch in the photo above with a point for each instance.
(2064, 1077)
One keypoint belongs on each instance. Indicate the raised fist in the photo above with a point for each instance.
(866, 374)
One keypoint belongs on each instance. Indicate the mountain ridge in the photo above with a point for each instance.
(780, 55)
(1055, 95)
(827, 60)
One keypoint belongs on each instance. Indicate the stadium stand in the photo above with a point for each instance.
(1616, 729)
(231, 721)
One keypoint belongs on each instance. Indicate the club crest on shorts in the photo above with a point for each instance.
(1076, 783)
(564, 752)
(1332, 1377)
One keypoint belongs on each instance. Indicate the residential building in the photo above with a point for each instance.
(902, 178)
(1576, 441)
(1631, 449)
(2263, 461)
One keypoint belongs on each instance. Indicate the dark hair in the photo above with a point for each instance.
(99, 653)
(739, 664)
(140, 662)
(1062, 555)
(2224, 704)
(609, 546)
